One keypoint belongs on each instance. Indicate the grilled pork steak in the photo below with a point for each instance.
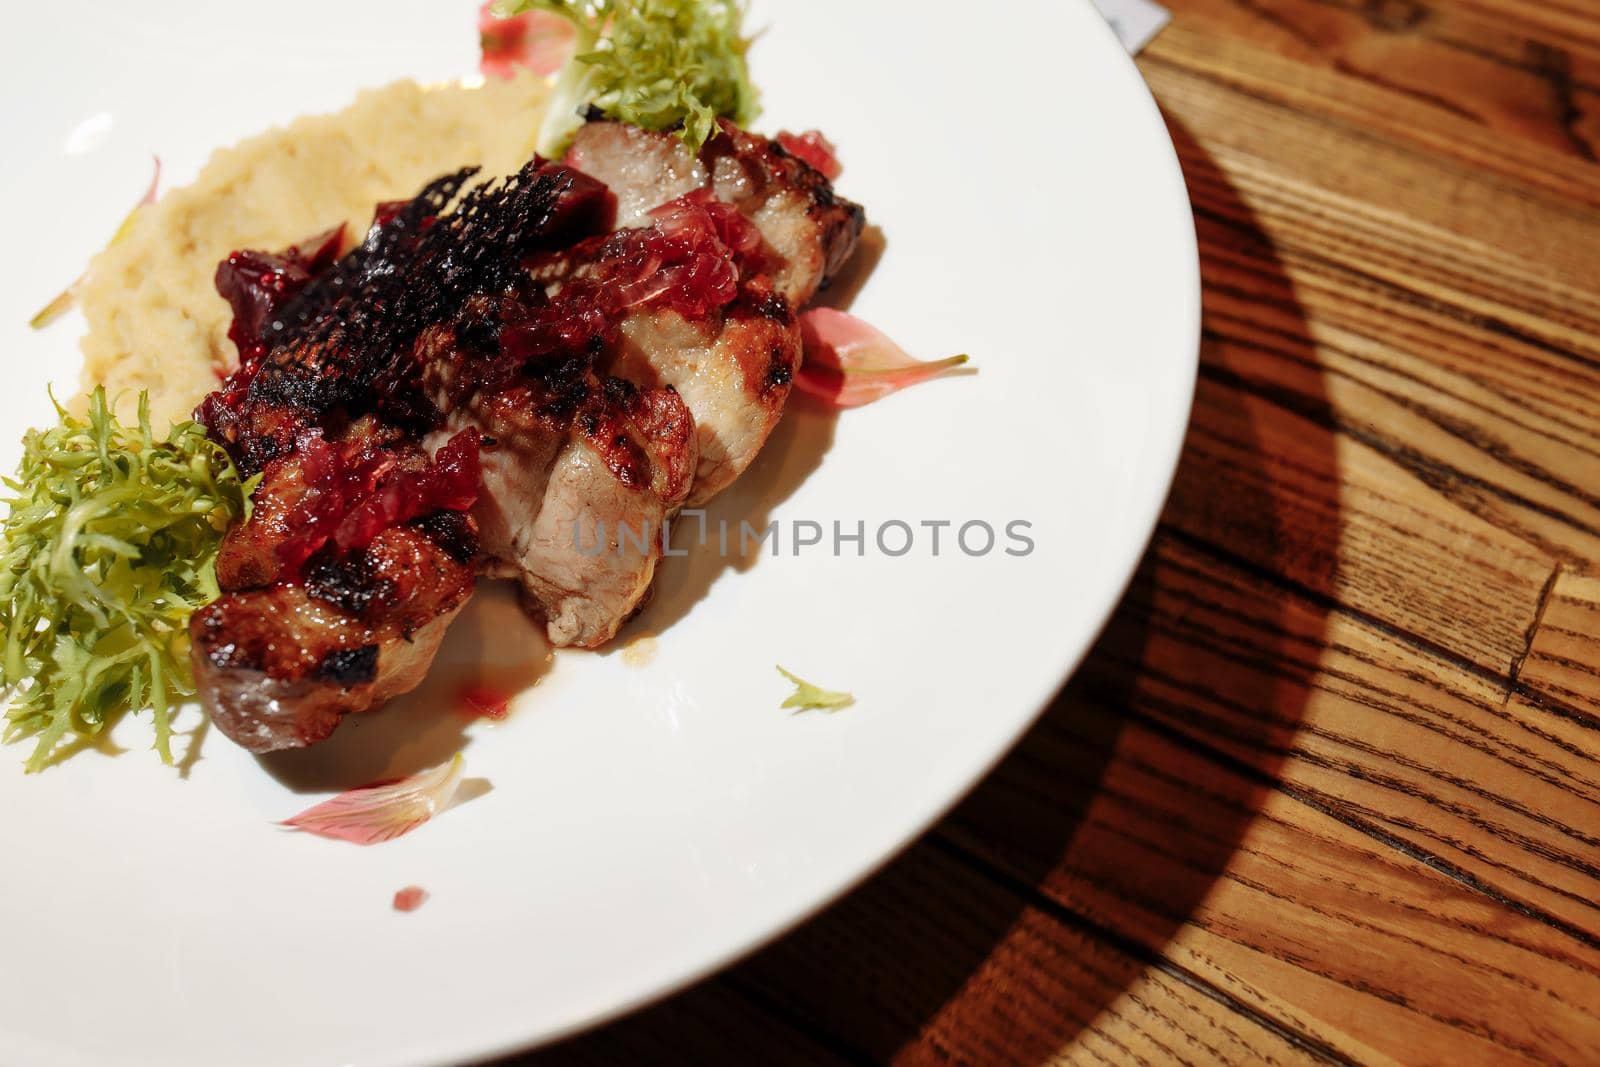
(789, 230)
(278, 667)
(525, 379)
(807, 231)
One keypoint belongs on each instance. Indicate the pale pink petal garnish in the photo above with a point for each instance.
(410, 898)
(149, 196)
(849, 363)
(64, 300)
(815, 149)
(382, 812)
(540, 41)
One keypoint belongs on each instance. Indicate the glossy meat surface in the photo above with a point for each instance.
(591, 351)
(734, 370)
(278, 666)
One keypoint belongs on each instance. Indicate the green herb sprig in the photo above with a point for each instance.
(807, 696)
(110, 545)
(658, 64)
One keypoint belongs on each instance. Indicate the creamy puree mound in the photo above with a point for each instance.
(155, 319)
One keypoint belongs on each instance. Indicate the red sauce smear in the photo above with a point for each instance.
(486, 701)
(410, 898)
(691, 259)
(255, 284)
(360, 492)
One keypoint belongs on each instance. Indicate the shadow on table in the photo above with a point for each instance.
(1017, 925)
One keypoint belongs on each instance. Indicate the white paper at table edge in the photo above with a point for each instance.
(1135, 22)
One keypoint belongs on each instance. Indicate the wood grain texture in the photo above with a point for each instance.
(1367, 727)
(1354, 945)
(1328, 788)
(1563, 662)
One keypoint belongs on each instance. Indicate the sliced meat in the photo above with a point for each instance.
(589, 553)
(808, 230)
(278, 667)
(329, 606)
(733, 374)
(733, 369)
(578, 479)
(643, 170)
(590, 359)
(339, 588)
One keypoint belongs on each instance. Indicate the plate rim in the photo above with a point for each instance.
(512, 1034)
(1151, 509)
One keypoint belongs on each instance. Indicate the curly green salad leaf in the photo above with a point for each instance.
(658, 64)
(110, 544)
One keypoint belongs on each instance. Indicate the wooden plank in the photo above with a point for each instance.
(1344, 468)
(1354, 945)
(1443, 417)
(1335, 516)
(1364, 724)
(1502, 425)
(933, 962)
(1563, 661)
(1487, 241)
(1453, 80)
(1252, 246)
(1571, 21)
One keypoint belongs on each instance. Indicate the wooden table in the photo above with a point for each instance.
(1329, 788)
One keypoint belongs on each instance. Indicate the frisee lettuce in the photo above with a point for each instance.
(658, 64)
(110, 545)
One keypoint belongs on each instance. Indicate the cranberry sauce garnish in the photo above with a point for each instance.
(691, 259)
(814, 150)
(357, 492)
(257, 284)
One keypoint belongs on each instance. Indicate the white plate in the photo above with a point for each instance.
(647, 823)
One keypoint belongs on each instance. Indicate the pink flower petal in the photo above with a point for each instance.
(540, 41)
(384, 811)
(849, 363)
(149, 196)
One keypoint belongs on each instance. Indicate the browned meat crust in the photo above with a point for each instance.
(594, 380)
(574, 460)
(278, 666)
(734, 370)
(808, 229)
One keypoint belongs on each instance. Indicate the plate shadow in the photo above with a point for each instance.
(492, 643)
(1100, 834)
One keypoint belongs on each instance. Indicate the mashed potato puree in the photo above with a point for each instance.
(155, 319)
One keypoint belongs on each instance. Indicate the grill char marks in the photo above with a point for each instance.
(578, 457)
(808, 230)
(733, 369)
(341, 348)
(603, 377)
(279, 666)
(733, 376)
(296, 642)
(812, 230)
